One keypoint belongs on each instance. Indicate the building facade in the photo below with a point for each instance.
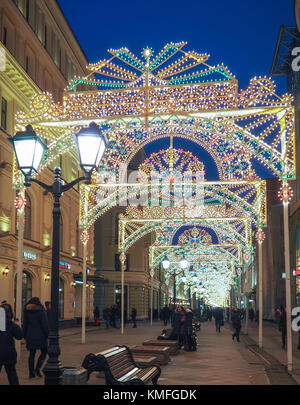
(39, 53)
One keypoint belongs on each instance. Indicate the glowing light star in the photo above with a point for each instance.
(285, 193)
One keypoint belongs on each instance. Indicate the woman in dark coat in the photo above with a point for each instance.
(36, 331)
(178, 320)
(188, 329)
(8, 354)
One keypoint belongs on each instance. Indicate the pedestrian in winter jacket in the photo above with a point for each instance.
(236, 324)
(36, 331)
(8, 354)
(188, 329)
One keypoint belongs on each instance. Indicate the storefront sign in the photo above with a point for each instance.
(64, 265)
(29, 255)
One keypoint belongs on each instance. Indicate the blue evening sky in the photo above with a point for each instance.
(242, 34)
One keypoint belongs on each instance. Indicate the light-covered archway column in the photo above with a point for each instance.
(260, 236)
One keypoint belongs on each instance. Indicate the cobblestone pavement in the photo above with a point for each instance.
(218, 360)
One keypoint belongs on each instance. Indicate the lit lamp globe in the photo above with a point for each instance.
(91, 143)
(195, 278)
(183, 263)
(166, 263)
(29, 150)
(183, 278)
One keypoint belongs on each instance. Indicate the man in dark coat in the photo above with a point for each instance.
(8, 354)
(282, 327)
(165, 314)
(36, 331)
(236, 324)
(133, 315)
(96, 316)
(219, 320)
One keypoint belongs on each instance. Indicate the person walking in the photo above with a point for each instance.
(8, 354)
(219, 319)
(251, 314)
(188, 329)
(96, 316)
(105, 313)
(165, 315)
(36, 331)
(178, 320)
(48, 309)
(133, 315)
(282, 327)
(277, 316)
(236, 324)
(117, 315)
(209, 314)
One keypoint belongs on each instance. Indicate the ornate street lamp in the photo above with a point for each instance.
(166, 263)
(183, 263)
(29, 150)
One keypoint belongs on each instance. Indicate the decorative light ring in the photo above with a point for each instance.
(20, 202)
(122, 257)
(285, 193)
(84, 237)
(260, 236)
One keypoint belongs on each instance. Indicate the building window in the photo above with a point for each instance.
(61, 299)
(27, 225)
(4, 36)
(4, 113)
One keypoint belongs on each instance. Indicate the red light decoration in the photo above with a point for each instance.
(260, 236)
(20, 202)
(84, 237)
(285, 193)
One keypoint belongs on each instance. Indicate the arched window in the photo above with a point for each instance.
(27, 225)
(61, 299)
(26, 289)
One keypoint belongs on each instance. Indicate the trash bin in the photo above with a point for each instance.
(74, 376)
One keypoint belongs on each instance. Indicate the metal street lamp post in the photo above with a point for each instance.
(29, 150)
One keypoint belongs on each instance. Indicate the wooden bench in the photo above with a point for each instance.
(119, 367)
(172, 344)
(145, 361)
(162, 353)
